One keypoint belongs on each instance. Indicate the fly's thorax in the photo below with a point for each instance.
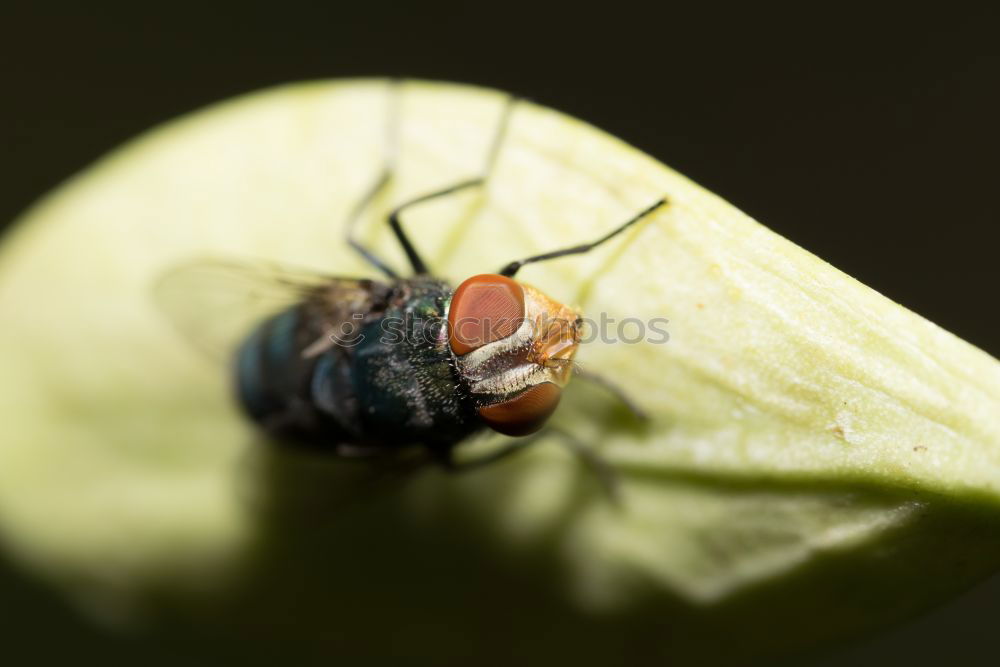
(402, 370)
(513, 348)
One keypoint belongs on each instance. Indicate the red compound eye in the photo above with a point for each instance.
(484, 308)
(525, 413)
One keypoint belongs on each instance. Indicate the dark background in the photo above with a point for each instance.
(866, 134)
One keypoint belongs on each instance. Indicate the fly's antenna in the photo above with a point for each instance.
(511, 269)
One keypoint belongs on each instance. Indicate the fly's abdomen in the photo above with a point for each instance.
(264, 381)
(278, 386)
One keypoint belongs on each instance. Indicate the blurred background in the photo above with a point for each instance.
(867, 135)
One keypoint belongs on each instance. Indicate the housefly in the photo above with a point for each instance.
(366, 368)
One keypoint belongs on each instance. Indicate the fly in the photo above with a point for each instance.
(368, 368)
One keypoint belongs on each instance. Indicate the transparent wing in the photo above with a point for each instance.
(215, 303)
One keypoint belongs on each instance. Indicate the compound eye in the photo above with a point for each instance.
(525, 413)
(484, 308)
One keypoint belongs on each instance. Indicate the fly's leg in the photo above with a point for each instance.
(595, 463)
(613, 389)
(514, 267)
(447, 457)
(416, 262)
(600, 468)
(380, 185)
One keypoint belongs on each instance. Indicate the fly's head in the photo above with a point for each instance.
(514, 349)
